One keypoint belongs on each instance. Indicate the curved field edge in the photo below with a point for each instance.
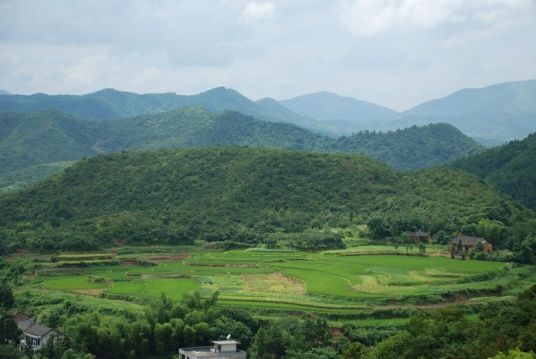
(443, 280)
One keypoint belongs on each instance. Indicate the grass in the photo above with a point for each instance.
(153, 288)
(275, 281)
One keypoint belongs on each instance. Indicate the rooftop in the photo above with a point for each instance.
(209, 352)
(468, 241)
(37, 330)
(23, 321)
(225, 342)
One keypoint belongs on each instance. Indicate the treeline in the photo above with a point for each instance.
(248, 196)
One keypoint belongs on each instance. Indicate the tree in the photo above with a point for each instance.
(526, 252)
(441, 237)
(72, 354)
(355, 350)
(9, 331)
(459, 248)
(515, 354)
(268, 344)
(379, 228)
(9, 351)
(6, 296)
(422, 248)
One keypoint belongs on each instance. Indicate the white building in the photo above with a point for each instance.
(220, 349)
(33, 335)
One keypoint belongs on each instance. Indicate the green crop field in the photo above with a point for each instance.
(348, 284)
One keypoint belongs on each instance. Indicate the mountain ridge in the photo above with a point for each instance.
(197, 127)
(503, 111)
(492, 114)
(340, 114)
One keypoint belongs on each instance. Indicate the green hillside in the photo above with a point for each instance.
(511, 168)
(196, 127)
(42, 137)
(411, 148)
(237, 194)
(30, 144)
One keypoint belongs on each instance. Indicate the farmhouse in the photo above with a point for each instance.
(419, 236)
(33, 335)
(469, 244)
(220, 349)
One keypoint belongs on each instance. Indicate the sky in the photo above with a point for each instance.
(396, 53)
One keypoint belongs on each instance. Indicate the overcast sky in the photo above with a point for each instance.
(396, 53)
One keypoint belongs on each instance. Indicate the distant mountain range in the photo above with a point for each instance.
(39, 142)
(503, 112)
(4, 92)
(492, 115)
(511, 168)
(110, 104)
(340, 115)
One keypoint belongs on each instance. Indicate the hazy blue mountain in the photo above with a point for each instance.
(492, 115)
(4, 92)
(499, 112)
(111, 104)
(340, 115)
(281, 113)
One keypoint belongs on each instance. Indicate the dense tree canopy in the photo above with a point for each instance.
(511, 168)
(244, 195)
(34, 145)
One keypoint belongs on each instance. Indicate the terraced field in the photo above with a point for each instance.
(350, 283)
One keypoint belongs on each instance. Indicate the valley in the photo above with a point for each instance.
(267, 179)
(337, 285)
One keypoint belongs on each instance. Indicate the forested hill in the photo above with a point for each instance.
(33, 145)
(30, 139)
(511, 168)
(411, 148)
(239, 194)
(196, 127)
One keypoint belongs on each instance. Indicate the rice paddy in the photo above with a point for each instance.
(347, 283)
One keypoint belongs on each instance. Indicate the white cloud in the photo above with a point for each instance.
(423, 48)
(370, 17)
(256, 11)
